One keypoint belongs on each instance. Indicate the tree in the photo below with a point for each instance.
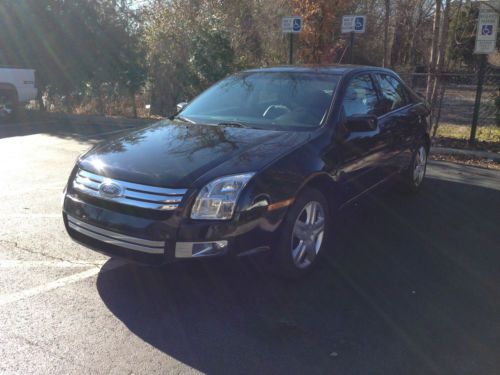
(188, 49)
(463, 23)
(434, 49)
(73, 45)
(321, 18)
(387, 15)
(411, 23)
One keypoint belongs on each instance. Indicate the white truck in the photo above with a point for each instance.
(17, 86)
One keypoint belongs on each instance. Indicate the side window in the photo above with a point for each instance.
(360, 97)
(393, 91)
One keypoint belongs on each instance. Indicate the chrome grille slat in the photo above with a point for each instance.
(152, 197)
(117, 239)
(143, 196)
(133, 186)
(87, 182)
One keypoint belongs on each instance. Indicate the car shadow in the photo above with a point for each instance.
(86, 130)
(408, 285)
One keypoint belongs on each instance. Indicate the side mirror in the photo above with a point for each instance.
(181, 106)
(361, 123)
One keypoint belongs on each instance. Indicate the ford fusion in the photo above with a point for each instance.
(259, 162)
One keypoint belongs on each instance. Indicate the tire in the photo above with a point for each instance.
(300, 244)
(413, 177)
(8, 106)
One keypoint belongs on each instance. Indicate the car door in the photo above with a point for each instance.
(360, 153)
(397, 121)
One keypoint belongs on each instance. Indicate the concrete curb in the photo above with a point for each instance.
(473, 153)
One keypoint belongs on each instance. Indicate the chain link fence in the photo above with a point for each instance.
(454, 106)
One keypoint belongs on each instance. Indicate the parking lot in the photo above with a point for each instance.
(410, 285)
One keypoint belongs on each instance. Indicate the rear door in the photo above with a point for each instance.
(397, 120)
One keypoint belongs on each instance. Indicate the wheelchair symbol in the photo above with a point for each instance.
(297, 24)
(487, 30)
(359, 24)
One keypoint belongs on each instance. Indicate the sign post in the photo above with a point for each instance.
(290, 26)
(353, 25)
(486, 37)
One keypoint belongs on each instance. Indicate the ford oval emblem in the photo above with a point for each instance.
(110, 190)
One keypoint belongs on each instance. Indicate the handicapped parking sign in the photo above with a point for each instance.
(292, 25)
(353, 24)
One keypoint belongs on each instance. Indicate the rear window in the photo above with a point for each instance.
(393, 91)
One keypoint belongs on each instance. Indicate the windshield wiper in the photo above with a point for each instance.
(184, 119)
(236, 124)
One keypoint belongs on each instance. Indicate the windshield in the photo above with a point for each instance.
(277, 101)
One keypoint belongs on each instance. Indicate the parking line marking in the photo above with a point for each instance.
(13, 190)
(27, 216)
(8, 263)
(31, 292)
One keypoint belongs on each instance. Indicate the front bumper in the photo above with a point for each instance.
(157, 240)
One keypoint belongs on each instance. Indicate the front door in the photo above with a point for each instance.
(362, 154)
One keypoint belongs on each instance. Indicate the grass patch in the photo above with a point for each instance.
(484, 133)
(457, 136)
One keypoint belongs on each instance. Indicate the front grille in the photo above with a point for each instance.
(128, 193)
(117, 239)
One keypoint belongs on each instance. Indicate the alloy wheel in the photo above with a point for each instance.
(307, 235)
(419, 167)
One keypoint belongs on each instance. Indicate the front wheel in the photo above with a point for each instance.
(303, 234)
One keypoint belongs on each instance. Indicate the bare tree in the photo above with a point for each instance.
(443, 44)
(386, 32)
(434, 48)
(438, 88)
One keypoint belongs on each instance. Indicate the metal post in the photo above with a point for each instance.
(290, 49)
(477, 104)
(351, 47)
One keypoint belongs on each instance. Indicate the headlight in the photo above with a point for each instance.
(217, 200)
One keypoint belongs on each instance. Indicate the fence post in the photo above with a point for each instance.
(477, 104)
(351, 47)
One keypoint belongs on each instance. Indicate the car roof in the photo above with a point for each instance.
(319, 69)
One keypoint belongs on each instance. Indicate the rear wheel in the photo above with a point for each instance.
(414, 175)
(8, 106)
(303, 234)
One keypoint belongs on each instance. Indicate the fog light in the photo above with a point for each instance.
(199, 249)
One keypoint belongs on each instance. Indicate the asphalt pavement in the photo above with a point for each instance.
(409, 285)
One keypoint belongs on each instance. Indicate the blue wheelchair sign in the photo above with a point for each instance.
(487, 30)
(359, 24)
(297, 25)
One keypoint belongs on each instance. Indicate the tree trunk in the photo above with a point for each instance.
(385, 61)
(153, 101)
(439, 106)
(100, 101)
(39, 98)
(443, 45)
(434, 49)
(414, 32)
(134, 103)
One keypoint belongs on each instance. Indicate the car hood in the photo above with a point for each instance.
(177, 155)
